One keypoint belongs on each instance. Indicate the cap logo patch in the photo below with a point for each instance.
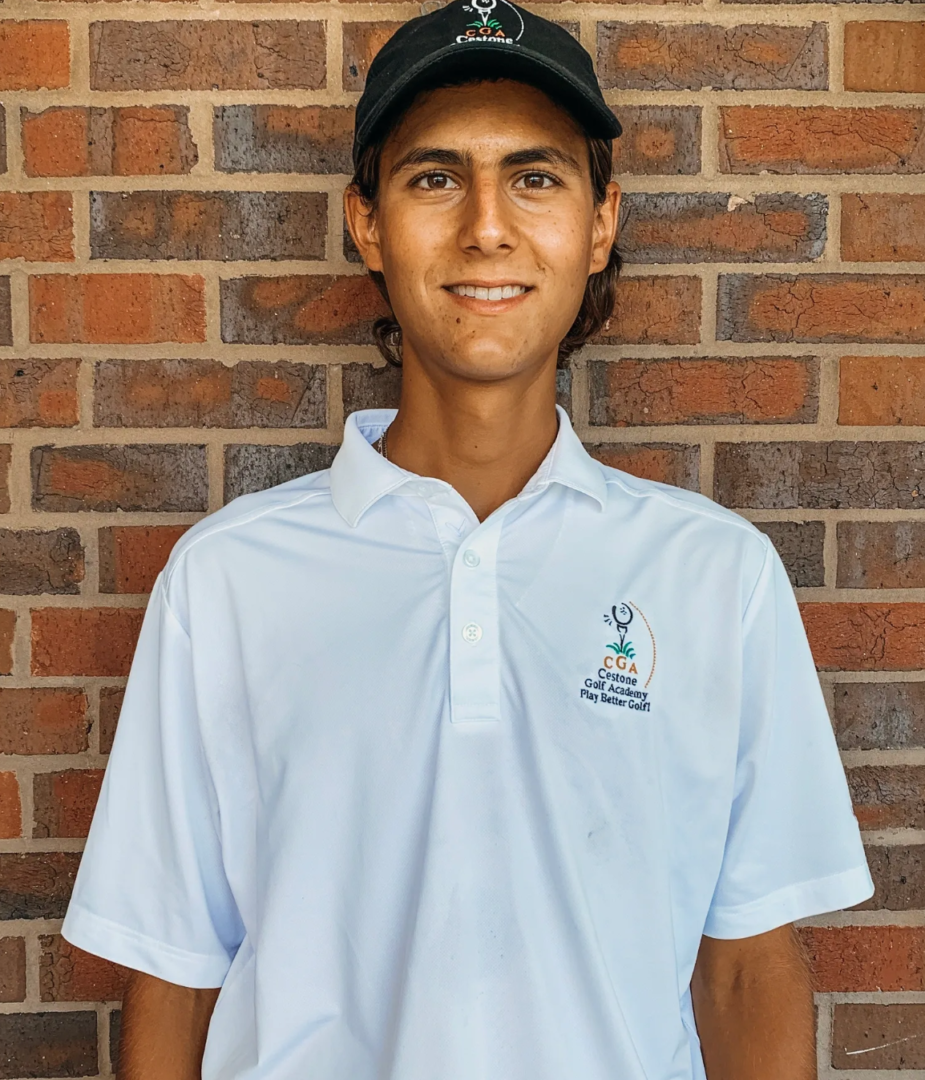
(487, 26)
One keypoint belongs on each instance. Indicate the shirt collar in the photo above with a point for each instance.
(360, 476)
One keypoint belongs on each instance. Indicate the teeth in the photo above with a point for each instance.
(478, 292)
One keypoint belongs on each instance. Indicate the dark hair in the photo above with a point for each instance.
(597, 303)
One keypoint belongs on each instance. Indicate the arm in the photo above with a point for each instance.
(164, 1028)
(753, 1004)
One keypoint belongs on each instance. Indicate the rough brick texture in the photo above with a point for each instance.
(722, 228)
(283, 139)
(654, 56)
(107, 478)
(885, 57)
(207, 225)
(116, 308)
(219, 55)
(774, 390)
(888, 1036)
(184, 319)
(63, 802)
(128, 141)
(131, 557)
(34, 55)
(883, 228)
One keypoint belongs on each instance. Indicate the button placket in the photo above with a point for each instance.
(475, 660)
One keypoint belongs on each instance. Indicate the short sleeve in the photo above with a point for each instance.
(151, 892)
(793, 847)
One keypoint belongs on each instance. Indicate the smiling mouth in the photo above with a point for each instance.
(482, 292)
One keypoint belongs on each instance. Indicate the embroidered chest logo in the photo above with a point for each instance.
(486, 23)
(627, 663)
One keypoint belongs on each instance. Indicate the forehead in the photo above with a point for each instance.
(485, 117)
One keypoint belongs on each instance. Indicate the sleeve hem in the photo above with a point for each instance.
(789, 904)
(127, 947)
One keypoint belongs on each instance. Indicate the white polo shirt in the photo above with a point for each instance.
(439, 800)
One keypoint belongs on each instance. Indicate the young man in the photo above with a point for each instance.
(470, 758)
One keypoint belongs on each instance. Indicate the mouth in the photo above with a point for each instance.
(491, 294)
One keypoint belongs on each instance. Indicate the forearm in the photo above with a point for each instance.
(754, 1009)
(163, 1032)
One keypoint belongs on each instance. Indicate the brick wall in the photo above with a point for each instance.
(181, 321)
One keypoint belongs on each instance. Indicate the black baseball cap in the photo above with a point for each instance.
(490, 38)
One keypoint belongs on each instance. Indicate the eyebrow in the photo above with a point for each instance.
(531, 155)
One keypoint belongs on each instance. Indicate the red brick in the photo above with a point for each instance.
(43, 720)
(879, 716)
(131, 141)
(199, 55)
(253, 468)
(800, 545)
(859, 959)
(208, 224)
(159, 477)
(10, 806)
(820, 475)
(6, 325)
(110, 706)
(666, 56)
(36, 885)
(84, 641)
(717, 227)
(34, 55)
(872, 1036)
(36, 561)
(821, 307)
(49, 1044)
(116, 308)
(3, 162)
(888, 796)
(659, 310)
(207, 393)
(771, 390)
(7, 630)
(6, 454)
(821, 139)
(898, 872)
(883, 228)
(283, 138)
(658, 140)
(882, 390)
(665, 462)
(367, 387)
(885, 57)
(311, 309)
(866, 637)
(12, 969)
(38, 393)
(881, 554)
(362, 40)
(67, 973)
(36, 226)
(64, 802)
(131, 556)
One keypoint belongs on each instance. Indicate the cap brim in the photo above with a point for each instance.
(494, 60)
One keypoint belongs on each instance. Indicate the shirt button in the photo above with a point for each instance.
(472, 632)
(471, 558)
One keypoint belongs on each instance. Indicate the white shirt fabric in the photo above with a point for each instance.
(439, 800)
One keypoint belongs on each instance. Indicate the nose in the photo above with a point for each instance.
(487, 226)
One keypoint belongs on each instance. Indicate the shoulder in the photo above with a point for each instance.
(670, 508)
(248, 513)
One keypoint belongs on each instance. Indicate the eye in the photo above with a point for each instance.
(434, 181)
(537, 181)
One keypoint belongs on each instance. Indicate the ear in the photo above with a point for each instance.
(361, 221)
(606, 222)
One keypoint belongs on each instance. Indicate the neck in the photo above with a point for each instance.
(485, 439)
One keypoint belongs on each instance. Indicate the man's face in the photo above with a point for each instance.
(486, 228)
